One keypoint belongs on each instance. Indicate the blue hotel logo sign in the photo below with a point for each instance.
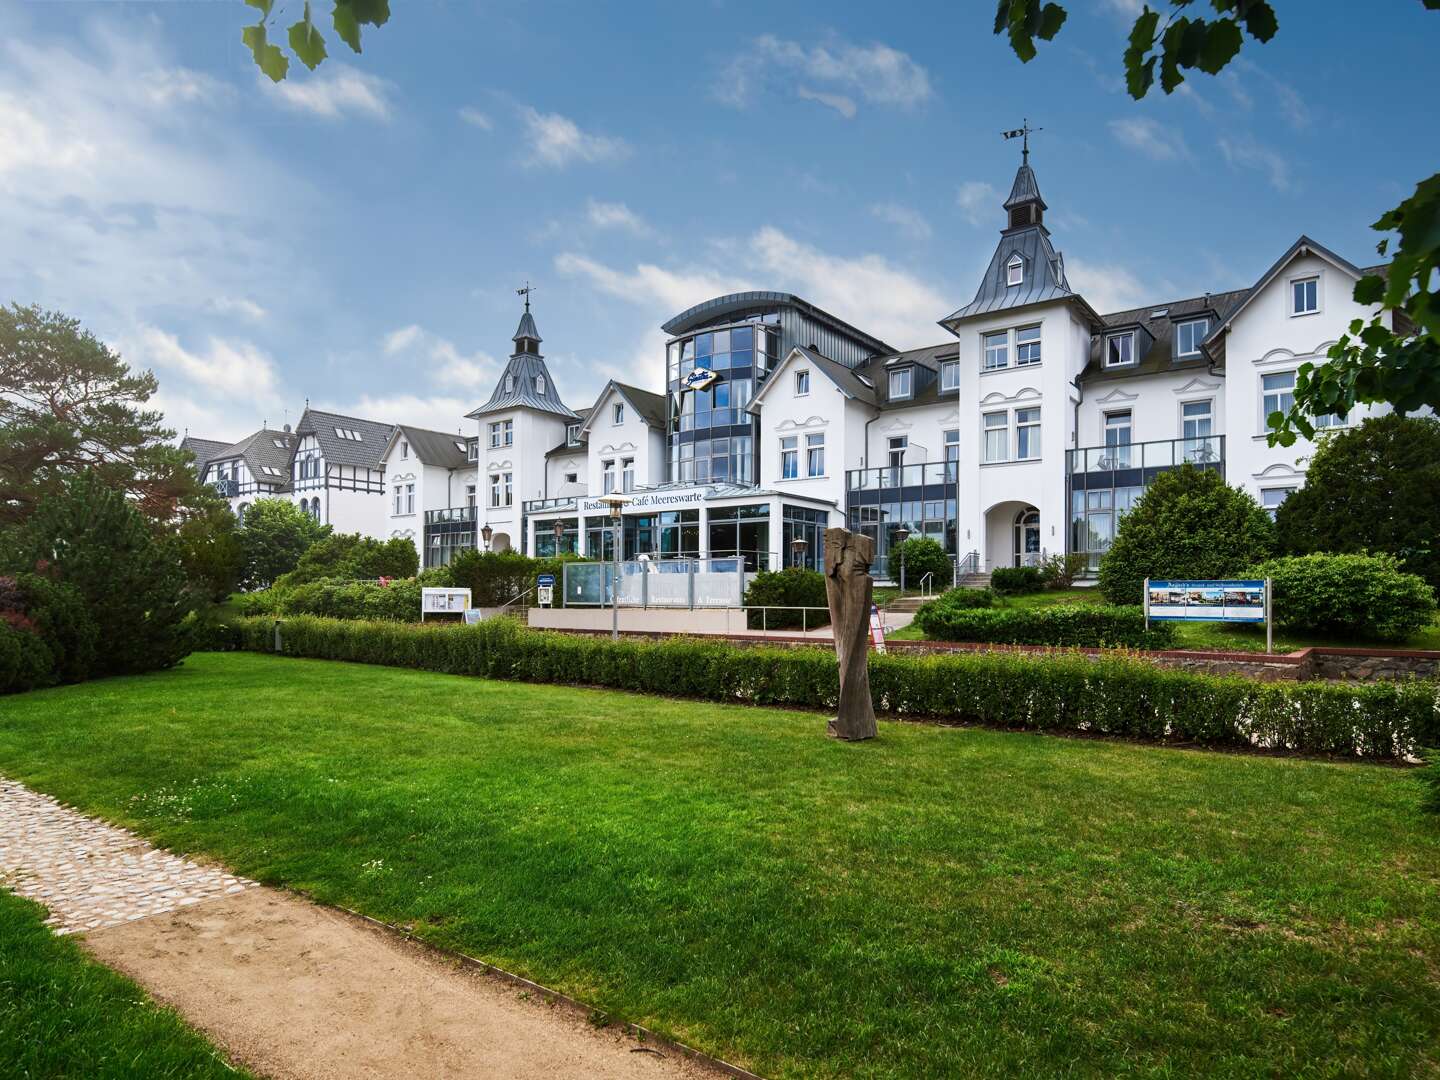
(699, 379)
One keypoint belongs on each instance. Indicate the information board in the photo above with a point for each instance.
(1206, 601)
(545, 595)
(443, 601)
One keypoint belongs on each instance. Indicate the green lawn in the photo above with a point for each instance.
(938, 902)
(1222, 637)
(63, 1015)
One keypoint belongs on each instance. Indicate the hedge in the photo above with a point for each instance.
(1358, 596)
(1017, 579)
(955, 617)
(1113, 696)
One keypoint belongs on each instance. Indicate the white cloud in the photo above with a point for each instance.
(911, 222)
(1109, 287)
(557, 141)
(979, 201)
(336, 90)
(238, 305)
(614, 215)
(438, 412)
(224, 369)
(668, 290)
(475, 118)
(1149, 137)
(875, 73)
(1246, 153)
(839, 102)
(440, 359)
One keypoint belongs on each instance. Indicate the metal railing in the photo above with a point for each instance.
(227, 489)
(895, 476)
(927, 584)
(1205, 451)
(966, 565)
(534, 506)
(453, 514)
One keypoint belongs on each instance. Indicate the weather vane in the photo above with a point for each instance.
(1024, 131)
(525, 292)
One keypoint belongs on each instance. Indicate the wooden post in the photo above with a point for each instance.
(848, 590)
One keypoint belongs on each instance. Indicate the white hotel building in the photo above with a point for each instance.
(1030, 426)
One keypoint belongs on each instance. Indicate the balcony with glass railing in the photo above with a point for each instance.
(535, 506)
(1148, 458)
(902, 476)
(453, 515)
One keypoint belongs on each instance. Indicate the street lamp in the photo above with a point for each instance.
(898, 538)
(799, 544)
(559, 529)
(486, 532)
(616, 503)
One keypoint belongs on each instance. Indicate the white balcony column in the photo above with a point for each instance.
(704, 531)
(582, 548)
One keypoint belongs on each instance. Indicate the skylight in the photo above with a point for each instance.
(866, 380)
(1160, 314)
(347, 433)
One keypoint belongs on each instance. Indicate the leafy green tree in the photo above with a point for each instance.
(306, 37)
(69, 404)
(1373, 488)
(1395, 357)
(274, 536)
(1188, 524)
(89, 536)
(352, 557)
(921, 556)
(208, 544)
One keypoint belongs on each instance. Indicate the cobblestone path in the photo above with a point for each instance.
(92, 875)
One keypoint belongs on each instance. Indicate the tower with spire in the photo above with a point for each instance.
(523, 418)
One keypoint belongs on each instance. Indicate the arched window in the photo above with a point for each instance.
(1015, 270)
(540, 384)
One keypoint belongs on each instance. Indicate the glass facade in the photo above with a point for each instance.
(802, 523)
(711, 439)
(919, 498)
(545, 545)
(448, 532)
(741, 532)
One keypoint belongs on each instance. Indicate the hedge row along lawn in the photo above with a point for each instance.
(62, 1014)
(937, 902)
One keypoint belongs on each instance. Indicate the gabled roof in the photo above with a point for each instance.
(367, 453)
(431, 447)
(1303, 246)
(260, 453)
(1159, 321)
(204, 450)
(649, 406)
(851, 383)
(926, 389)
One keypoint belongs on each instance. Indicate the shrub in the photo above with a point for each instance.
(920, 556)
(352, 557)
(25, 661)
(276, 533)
(90, 537)
(1108, 696)
(208, 546)
(58, 616)
(1079, 625)
(398, 601)
(792, 587)
(1375, 487)
(494, 578)
(1059, 571)
(1013, 580)
(968, 598)
(1188, 524)
(1358, 596)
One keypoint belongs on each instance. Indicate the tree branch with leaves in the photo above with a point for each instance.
(305, 37)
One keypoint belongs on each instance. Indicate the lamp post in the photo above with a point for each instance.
(616, 503)
(799, 544)
(559, 530)
(899, 537)
(486, 532)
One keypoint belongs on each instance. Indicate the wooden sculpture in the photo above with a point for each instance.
(848, 589)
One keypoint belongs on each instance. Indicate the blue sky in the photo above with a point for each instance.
(355, 236)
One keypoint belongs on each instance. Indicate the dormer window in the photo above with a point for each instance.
(900, 384)
(1014, 271)
(540, 385)
(1189, 335)
(950, 375)
(509, 384)
(1120, 349)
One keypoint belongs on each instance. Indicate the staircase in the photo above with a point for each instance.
(910, 602)
(973, 581)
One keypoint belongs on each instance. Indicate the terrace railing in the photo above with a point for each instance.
(1206, 451)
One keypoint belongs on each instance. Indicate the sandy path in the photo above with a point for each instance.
(294, 990)
(286, 987)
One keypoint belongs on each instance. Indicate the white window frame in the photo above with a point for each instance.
(494, 434)
(1179, 354)
(540, 385)
(627, 475)
(906, 375)
(572, 434)
(617, 414)
(409, 498)
(1015, 270)
(1288, 489)
(790, 457)
(1003, 348)
(987, 428)
(1300, 279)
(572, 478)
(398, 500)
(404, 450)
(951, 442)
(508, 480)
(507, 431)
(1032, 429)
(1265, 411)
(607, 476)
(495, 490)
(802, 382)
(949, 376)
(1018, 345)
(1105, 361)
(815, 445)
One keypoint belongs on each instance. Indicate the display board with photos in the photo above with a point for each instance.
(1206, 601)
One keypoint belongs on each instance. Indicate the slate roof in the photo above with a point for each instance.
(368, 453)
(1026, 189)
(205, 450)
(521, 370)
(1159, 321)
(649, 405)
(852, 383)
(925, 385)
(258, 451)
(433, 447)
